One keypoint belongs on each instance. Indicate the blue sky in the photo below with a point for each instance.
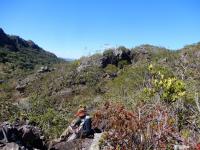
(73, 28)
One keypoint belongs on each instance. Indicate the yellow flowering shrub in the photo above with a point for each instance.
(169, 89)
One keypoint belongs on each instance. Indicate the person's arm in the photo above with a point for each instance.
(76, 123)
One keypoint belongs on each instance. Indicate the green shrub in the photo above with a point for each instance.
(111, 69)
(122, 63)
(168, 89)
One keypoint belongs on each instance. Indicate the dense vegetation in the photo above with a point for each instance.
(152, 79)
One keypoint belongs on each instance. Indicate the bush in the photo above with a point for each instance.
(122, 63)
(169, 89)
(127, 85)
(110, 69)
(41, 110)
(90, 76)
(149, 126)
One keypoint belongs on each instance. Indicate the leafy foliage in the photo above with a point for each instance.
(148, 126)
(169, 89)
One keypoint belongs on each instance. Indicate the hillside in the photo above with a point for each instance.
(17, 53)
(125, 80)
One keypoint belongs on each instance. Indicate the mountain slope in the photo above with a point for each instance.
(18, 56)
(21, 53)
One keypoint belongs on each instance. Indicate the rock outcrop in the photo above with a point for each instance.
(110, 56)
(95, 60)
(83, 144)
(21, 135)
(120, 56)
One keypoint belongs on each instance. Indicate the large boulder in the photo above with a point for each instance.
(22, 84)
(110, 56)
(122, 53)
(115, 56)
(95, 60)
(139, 54)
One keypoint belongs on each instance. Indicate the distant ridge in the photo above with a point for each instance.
(68, 59)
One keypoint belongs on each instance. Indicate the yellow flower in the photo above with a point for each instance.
(181, 93)
(150, 67)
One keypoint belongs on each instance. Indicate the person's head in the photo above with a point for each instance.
(82, 106)
(81, 113)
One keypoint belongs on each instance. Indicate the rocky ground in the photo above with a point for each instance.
(22, 135)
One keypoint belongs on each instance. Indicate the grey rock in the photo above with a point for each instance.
(12, 146)
(65, 92)
(138, 55)
(83, 144)
(96, 141)
(21, 88)
(21, 135)
(44, 69)
(86, 62)
(184, 58)
(122, 53)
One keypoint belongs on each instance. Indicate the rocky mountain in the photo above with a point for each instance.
(22, 53)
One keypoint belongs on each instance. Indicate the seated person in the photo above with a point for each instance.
(80, 128)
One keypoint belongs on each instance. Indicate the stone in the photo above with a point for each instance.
(44, 69)
(65, 92)
(86, 62)
(11, 146)
(21, 88)
(96, 141)
(21, 135)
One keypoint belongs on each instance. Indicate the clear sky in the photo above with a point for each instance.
(73, 28)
